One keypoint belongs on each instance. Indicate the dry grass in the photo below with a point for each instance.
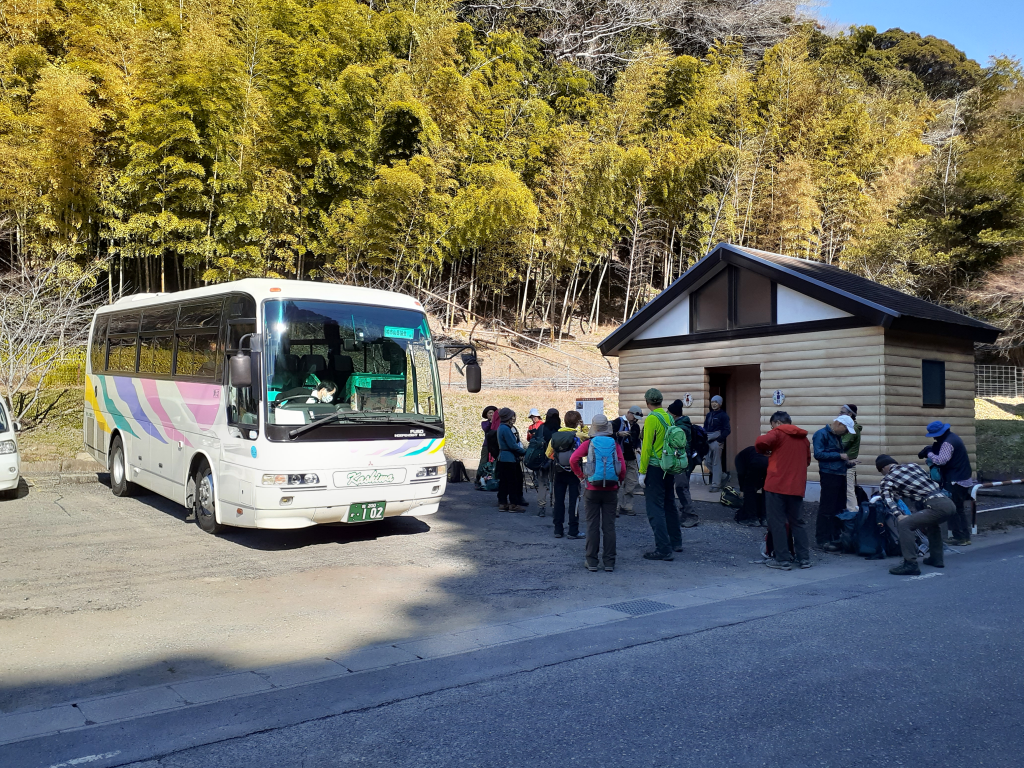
(1000, 425)
(463, 410)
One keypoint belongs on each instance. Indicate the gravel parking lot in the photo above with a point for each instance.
(101, 594)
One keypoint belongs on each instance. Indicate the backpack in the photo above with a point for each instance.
(457, 472)
(535, 458)
(603, 461)
(698, 444)
(673, 448)
(731, 498)
(563, 444)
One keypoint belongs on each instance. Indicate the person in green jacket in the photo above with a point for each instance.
(659, 492)
(687, 517)
(851, 442)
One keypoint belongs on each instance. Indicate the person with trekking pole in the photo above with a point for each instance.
(606, 468)
(627, 434)
(510, 471)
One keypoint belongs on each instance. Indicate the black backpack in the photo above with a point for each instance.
(562, 445)
(457, 472)
(698, 444)
(491, 439)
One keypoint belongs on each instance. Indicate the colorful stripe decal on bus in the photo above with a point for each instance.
(126, 389)
(153, 398)
(203, 400)
(90, 398)
(119, 420)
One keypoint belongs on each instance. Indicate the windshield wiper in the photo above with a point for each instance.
(331, 418)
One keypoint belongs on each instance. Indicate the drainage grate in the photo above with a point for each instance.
(639, 607)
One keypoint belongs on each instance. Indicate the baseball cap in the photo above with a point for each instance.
(636, 410)
(534, 412)
(847, 422)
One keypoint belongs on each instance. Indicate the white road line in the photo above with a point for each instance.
(925, 576)
(86, 759)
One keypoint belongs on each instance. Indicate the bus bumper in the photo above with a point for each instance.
(327, 505)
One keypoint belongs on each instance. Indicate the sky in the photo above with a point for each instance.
(980, 28)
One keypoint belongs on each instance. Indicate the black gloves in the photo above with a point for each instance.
(924, 452)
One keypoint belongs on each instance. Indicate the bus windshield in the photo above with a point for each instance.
(351, 362)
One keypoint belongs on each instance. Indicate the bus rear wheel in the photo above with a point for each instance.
(119, 482)
(205, 505)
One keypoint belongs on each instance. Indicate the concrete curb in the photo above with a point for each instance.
(28, 724)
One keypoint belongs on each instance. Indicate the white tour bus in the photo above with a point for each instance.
(271, 403)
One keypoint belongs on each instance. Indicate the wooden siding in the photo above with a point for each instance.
(877, 370)
(904, 428)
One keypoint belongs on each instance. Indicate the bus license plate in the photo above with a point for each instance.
(371, 510)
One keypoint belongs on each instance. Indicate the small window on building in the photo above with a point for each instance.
(753, 299)
(711, 304)
(933, 383)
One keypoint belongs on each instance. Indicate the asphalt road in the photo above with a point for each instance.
(871, 670)
(100, 594)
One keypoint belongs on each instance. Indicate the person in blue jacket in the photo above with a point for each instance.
(832, 465)
(717, 426)
(510, 472)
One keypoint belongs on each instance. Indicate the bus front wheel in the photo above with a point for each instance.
(205, 500)
(119, 482)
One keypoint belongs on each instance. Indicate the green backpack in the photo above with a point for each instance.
(673, 448)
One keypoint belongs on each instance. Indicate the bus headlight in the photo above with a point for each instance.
(434, 471)
(8, 446)
(306, 479)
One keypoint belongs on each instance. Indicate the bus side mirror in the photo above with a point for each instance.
(473, 377)
(240, 368)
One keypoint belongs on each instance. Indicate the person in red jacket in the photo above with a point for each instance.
(600, 498)
(789, 454)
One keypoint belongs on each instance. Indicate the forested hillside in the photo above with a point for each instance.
(550, 162)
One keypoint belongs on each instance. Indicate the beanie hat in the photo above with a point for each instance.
(883, 461)
(653, 396)
(717, 399)
(676, 409)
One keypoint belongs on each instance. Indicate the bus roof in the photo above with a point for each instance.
(266, 288)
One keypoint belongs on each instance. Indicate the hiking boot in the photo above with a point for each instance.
(609, 568)
(522, 503)
(657, 556)
(779, 565)
(503, 507)
(933, 562)
(959, 542)
(515, 508)
(591, 568)
(575, 536)
(832, 547)
(629, 512)
(677, 548)
(689, 521)
(805, 563)
(907, 568)
(559, 535)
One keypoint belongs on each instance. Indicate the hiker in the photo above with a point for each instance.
(910, 481)
(716, 424)
(851, 445)
(789, 455)
(659, 492)
(627, 433)
(949, 454)
(485, 454)
(751, 472)
(606, 468)
(510, 474)
(535, 423)
(560, 450)
(833, 462)
(542, 477)
(687, 517)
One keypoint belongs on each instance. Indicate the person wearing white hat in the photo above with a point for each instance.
(851, 442)
(833, 462)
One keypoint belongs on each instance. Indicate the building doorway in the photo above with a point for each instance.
(740, 389)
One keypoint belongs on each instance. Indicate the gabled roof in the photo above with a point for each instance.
(866, 300)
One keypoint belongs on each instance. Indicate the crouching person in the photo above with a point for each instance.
(910, 481)
(606, 468)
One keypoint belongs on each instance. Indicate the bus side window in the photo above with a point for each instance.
(98, 350)
(243, 405)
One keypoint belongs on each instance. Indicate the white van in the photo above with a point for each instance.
(10, 463)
